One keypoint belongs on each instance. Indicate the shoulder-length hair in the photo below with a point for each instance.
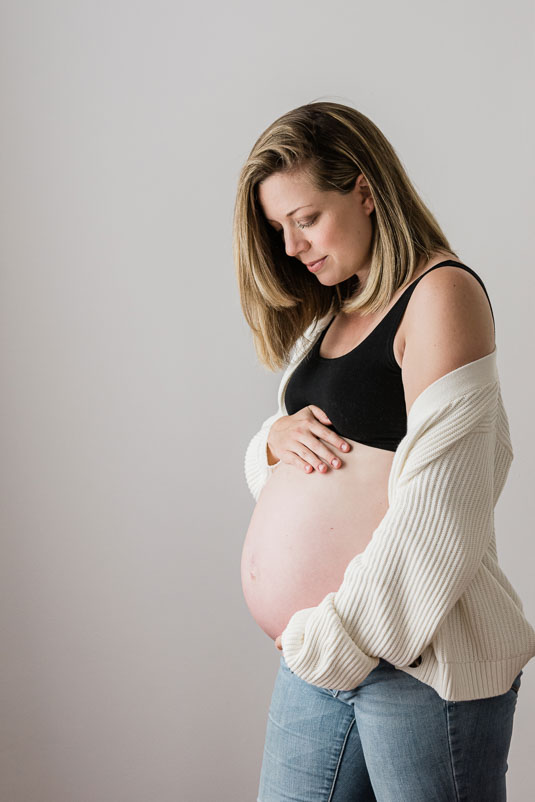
(332, 144)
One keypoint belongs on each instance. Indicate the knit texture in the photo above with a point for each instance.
(428, 587)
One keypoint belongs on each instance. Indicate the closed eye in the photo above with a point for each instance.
(306, 225)
(300, 226)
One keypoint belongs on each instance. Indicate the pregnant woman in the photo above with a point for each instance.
(371, 555)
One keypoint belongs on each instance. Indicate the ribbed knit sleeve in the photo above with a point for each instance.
(424, 553)
(257, 468)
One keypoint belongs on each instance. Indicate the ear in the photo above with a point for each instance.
(363, 188)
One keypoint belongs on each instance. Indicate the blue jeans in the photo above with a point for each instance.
(390, 739)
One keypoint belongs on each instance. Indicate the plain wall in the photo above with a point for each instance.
(131, 669)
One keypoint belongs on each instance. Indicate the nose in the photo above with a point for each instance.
(295, 243)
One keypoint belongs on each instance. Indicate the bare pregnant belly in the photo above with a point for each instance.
(306, 528)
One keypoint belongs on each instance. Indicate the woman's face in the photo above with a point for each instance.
(324, 225)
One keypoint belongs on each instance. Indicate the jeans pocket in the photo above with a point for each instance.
(286, 667)
(516, 683)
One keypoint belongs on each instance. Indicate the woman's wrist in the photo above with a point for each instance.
(271, 458)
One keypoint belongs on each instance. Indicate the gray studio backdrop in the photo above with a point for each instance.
(131, 670)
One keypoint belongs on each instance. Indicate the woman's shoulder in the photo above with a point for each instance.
(450, 294)
(318, 325)
(448, 323)
(304, 342)
(310, 334)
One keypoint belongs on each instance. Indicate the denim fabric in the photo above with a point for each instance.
(390, 739)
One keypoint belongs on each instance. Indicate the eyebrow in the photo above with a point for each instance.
(292, 212)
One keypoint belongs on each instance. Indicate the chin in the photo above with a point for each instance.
(329, 282)
(332, 280)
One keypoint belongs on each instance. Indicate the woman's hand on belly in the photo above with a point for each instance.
(305, 530)
(302, 440)
(278, 642)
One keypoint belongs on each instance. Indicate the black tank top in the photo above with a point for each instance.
(361, 391)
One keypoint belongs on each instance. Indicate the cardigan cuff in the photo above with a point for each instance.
(320, 651)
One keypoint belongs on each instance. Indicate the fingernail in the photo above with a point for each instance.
(336, 462)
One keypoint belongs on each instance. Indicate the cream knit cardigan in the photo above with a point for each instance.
(428, 585)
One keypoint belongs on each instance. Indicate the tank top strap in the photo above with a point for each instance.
(401, 304)
(394, 316)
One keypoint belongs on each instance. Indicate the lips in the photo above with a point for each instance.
(311, 264)
(315, 266)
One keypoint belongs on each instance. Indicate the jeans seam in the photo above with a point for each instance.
(447, 710)
(353, 721)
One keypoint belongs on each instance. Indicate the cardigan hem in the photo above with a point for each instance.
(471, 680)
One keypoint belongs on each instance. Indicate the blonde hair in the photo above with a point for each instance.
(332, 144)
